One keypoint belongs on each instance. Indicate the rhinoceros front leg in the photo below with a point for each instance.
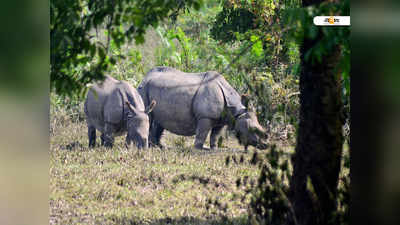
(102, 139)
(203, 127)
(108, 135)
(92, 136)
(156, 132)
(215, 133)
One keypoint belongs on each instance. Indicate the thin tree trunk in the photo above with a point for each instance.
(316, 162)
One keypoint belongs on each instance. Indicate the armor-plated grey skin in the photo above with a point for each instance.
(114, 108)
(196, 103)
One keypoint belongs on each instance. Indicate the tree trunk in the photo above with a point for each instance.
(316, 163)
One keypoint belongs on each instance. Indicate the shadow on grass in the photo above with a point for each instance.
(205, 150)
(184, 221)
(77, 146)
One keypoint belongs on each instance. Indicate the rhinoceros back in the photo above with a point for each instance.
(153, 74)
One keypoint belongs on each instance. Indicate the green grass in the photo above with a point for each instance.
(128, 186)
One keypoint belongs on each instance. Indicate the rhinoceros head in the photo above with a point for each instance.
(249, 131)
(138, 125)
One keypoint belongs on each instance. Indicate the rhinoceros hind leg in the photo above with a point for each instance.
(102, 139)
(92, 136)
(215, 133)
(156, 132)
(128, 142)
(108, 141)
(203, 127)
(107, 135)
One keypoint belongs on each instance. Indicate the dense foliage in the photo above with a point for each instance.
(76, 57)
(276, 30)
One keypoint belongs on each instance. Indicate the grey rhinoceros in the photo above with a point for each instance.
(195, 103)
(114, 108)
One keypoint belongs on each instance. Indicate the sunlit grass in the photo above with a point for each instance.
(154, 186)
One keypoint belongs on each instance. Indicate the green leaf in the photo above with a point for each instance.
(254, 38)
(257, 49)
(139, 39)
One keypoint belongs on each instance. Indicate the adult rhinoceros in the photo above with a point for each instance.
(114, 108)
(195, 103)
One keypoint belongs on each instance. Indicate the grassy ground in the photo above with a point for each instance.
(120, 186)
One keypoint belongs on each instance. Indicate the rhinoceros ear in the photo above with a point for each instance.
(150, 107)
(131, 108)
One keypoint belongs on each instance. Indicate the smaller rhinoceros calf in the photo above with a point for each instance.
(114, 108)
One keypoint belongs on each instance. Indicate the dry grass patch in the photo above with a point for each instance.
(121, 186)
